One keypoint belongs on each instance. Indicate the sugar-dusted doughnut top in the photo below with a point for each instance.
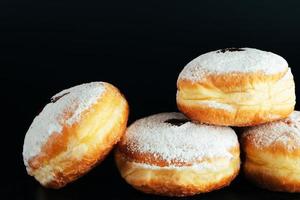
(172, 137)
(239, 60)
(64, 109)
(285, 133)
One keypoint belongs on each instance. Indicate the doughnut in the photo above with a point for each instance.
(166, 154)
(272, 154)
(74, 132)
(236, 87)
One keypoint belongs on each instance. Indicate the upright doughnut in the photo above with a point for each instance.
(236, 87)
(74, 132)
(167, 154)
(272, 154)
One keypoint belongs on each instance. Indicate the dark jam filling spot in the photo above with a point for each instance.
(289, 122)
(177, 122)
(230, 50)
(55, 99)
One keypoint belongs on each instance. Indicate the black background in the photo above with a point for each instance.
(139, 46)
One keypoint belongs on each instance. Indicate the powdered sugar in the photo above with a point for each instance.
(217, 105)
(245, 60)
(286, 132)
(183, 143)
(202, 166)
(65, 109)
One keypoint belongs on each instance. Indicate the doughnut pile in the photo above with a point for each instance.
(178, 154)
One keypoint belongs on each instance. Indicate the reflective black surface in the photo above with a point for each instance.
(139, 46)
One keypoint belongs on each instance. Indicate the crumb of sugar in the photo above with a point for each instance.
(185, 143)
(286, 132)
(51, 120)
(247, 60)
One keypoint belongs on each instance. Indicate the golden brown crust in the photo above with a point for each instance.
(232, 81)
(248, 99)
(277, 148)
(68, 155)
(160, 188)
(182, 181)
(270, 180)
(139, 157)
(242, 117)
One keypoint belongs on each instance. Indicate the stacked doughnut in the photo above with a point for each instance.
(178, 154)
(167, 154)
(236, 87)
(272, 153)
